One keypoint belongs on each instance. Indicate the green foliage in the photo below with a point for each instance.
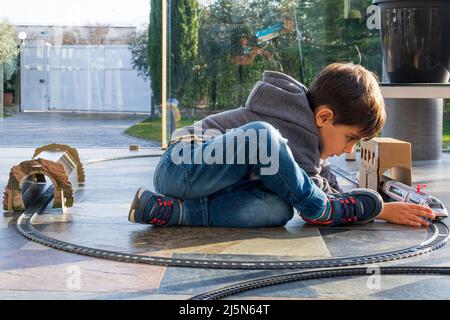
(184, 26)
(8, 52)
(150, 129)
(154, 48)
(328, 37)
(139, 53)
(222, 26)
(8, 44)
(447, 105)
(9, 68)
(207, 41)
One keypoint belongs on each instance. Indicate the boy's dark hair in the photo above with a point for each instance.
(353, 94)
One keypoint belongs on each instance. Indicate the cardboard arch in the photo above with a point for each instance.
(60, 163)
(13, 197)
(55, 147)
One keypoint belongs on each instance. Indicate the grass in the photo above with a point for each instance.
(150, 129)
(446, 135)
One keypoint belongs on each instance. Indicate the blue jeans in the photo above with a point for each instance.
(222, 194)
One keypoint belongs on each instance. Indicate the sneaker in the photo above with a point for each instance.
(151, 208)
(358, 206)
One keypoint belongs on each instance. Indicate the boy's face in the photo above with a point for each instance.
(336, 139)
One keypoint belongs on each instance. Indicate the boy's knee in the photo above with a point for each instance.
(281, 212)
(262, 125)
(263, 128)
(284, 216)
(170, 179)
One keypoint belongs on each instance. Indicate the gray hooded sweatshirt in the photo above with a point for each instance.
(281, 101)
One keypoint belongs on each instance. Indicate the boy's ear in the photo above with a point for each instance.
(323, 115)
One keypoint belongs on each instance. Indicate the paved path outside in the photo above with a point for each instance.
(75, 129)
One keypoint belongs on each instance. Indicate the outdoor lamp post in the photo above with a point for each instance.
(22, 37)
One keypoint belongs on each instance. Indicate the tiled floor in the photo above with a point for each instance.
(99, 219)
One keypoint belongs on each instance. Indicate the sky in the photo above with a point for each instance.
(75, 12)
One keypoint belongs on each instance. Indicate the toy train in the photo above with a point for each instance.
(401, 192)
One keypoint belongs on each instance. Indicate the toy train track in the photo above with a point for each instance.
(439, 236)
(314, 274)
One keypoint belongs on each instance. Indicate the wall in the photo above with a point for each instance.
(82, 78)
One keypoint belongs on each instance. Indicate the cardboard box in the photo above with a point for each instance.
(381, 154)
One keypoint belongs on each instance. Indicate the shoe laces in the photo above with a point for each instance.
(161, 211)
(349, 206)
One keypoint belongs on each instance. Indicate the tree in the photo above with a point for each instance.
(184, 27)
(139, 53)
(155, 48)
(227, 34)
(329, 37)
(8, 51)
(71, 37)
(230, 59)
(98, 35)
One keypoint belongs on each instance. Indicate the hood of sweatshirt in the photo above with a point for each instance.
(280, 96)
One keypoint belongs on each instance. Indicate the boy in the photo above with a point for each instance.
(249, 167)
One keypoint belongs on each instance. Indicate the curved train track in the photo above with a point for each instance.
(439, 236)
(314, 274)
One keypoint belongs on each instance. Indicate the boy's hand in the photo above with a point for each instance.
(407, 214)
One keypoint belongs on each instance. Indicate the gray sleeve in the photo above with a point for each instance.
(323, 184)
(320, 174)
(330, 184)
